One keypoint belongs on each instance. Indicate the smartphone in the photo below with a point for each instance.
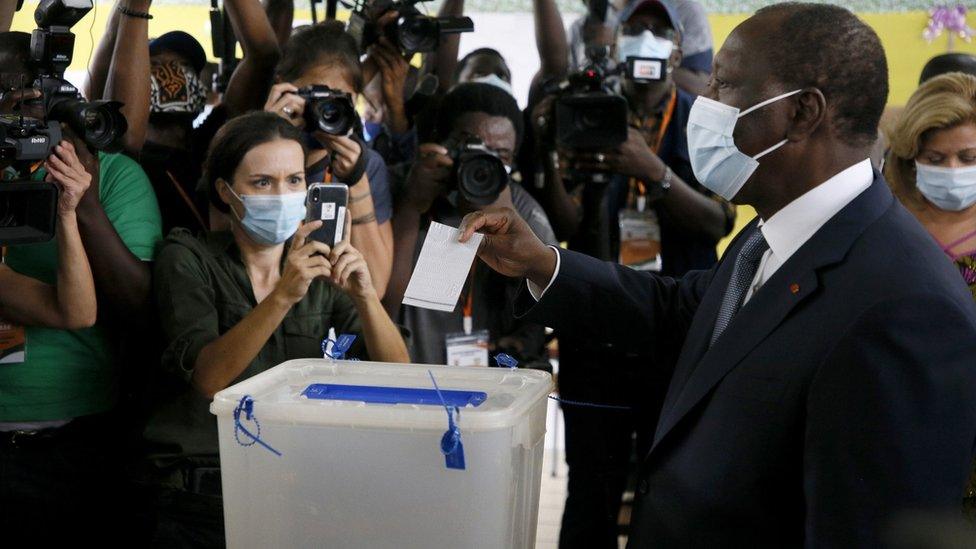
(328, 202)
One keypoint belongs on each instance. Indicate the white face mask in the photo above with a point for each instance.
(644, 45)
(496, 81)
(718, 164)
(952, 189)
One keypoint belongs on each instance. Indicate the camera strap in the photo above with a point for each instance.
(188, 201)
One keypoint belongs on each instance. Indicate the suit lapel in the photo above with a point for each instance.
(791, 285)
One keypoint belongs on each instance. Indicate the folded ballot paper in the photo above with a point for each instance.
(441, 269)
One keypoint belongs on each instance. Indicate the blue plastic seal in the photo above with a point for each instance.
(451, 445)
(506, 361)
(246, 406)
(339, 348)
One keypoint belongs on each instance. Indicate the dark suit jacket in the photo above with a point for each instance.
(841, 395)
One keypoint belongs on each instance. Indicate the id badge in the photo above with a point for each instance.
(467, 350)
(640, 240)
(13, 343)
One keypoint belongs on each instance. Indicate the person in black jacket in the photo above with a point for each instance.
(823, 391)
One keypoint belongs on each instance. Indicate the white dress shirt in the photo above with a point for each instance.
(791, 227)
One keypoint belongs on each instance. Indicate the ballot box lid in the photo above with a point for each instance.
(397, 396)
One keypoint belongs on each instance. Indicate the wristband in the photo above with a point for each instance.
(356, 174)
(132, 13)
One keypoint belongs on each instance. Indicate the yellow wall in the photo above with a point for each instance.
(901, 34)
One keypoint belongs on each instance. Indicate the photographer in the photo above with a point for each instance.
(650, 214)
(160, 83)
(233, 304)
(325, 55)
(69, 303)
(487, 116)
(58, 402)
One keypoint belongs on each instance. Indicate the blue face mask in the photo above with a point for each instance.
(952, 189)
(644, 46)
(271, 219)
(717, 162)
(496, 81)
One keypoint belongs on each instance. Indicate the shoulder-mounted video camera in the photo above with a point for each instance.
(411, 32)
(588, 113)
(28, 208)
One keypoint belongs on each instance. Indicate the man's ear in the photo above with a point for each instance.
(676, 56)
(809, 114)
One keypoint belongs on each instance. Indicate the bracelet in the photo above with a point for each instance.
(363, 219)
(132, 13)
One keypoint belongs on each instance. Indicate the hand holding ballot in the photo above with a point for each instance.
(509, 245)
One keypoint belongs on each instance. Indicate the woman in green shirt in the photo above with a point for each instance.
(233, 304)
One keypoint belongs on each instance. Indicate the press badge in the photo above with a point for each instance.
(13, 343)
(467, 349)
(640, 239)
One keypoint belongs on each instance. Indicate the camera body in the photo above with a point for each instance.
(99, 123)
(480, 174)
(328, 110)
(588, 114)
(27, 139)
(28, 208)
(412, 32)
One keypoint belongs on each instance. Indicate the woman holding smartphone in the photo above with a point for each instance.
(233, 304)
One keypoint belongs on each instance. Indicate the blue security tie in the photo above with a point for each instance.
(746, 264)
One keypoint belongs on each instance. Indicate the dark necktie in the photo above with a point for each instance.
(746, 264)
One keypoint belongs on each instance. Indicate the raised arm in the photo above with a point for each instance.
(550, 39)
(7, 9)
(101, 61)
(71, 303)
(249, 85)
(128, 78)
(281, 14)
(445, 59)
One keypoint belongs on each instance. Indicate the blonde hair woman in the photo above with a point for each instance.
(932, 170)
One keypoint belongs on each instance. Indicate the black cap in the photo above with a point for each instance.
(948, 62)
(181, 44)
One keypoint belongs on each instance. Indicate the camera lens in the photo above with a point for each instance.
(334, 115)
(100, 123)
(481, 177)
(418, 34)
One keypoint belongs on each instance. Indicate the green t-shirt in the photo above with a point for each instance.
(72, 373)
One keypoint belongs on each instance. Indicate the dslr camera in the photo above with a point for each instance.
(28, 208)
(480, 174)
(412, 32)
(328, 110)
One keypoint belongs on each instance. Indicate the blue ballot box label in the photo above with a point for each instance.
(393, 395)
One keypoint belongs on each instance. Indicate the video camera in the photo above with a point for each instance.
(28, 209)
(479, 172)
(589, 115)
(412, 32)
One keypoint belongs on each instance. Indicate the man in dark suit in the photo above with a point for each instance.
(826, 382)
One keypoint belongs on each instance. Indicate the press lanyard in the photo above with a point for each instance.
(189, 203)
(948, 247)
(640, 197)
